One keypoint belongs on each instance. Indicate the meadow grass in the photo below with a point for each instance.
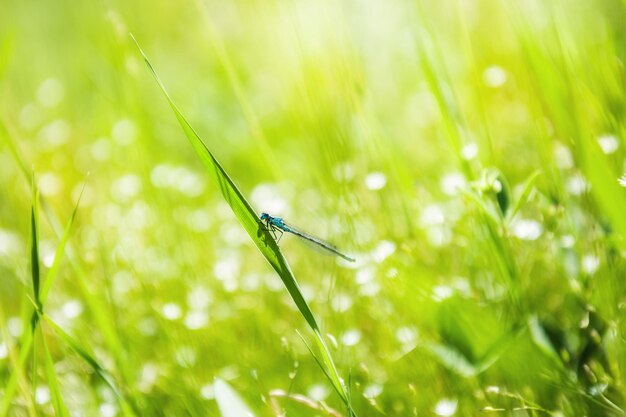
(466, 152)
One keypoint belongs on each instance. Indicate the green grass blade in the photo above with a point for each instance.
(96, 304)
(229, 402)
(58, 255)
(53, 383)
(34, 244)
(336, 387)
(34, 269)
(28, 340)
(41, 296)
(255, 229)
(240, 206)
(332, 370)
(93, 363)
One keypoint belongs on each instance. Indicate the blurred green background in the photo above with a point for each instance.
(466, 152)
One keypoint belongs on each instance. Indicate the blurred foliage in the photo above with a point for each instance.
(467, 153)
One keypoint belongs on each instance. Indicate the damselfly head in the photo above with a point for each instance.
(265, 216)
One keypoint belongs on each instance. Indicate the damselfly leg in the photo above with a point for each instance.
(281, 234)
(273, 229)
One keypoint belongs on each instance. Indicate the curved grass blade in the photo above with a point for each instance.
(255, 229)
